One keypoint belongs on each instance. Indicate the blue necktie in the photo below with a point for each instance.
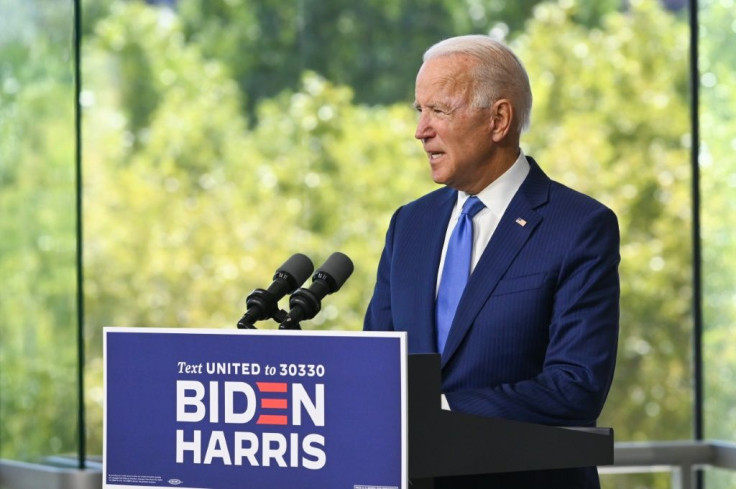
(456, 270)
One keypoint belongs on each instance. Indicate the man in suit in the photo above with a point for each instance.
(532, 336)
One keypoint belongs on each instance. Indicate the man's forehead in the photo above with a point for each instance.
(446, 73)
(442, 91)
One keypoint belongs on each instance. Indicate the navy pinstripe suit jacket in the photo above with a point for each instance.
(535, 335)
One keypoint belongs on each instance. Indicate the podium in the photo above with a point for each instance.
(446, 443)
(196, 408)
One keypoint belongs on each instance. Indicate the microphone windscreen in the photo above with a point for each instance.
(335, 271)
(295, 270)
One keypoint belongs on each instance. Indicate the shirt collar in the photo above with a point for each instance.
(498, 194)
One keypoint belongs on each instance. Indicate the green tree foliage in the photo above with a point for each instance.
(37, 225)
(718, 218)
(221, 138)
(368, 46)
(190, 213)
(318, 173)
(268, 44)
(373, 46)
(611, 119)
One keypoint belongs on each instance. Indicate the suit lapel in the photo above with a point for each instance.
(427, 231)
(515, 228)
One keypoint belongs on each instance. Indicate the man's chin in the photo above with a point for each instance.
(439, 178)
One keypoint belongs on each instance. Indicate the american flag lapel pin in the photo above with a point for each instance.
(521, 222)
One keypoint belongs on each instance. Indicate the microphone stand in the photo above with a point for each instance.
(279, 315)
(285, 322)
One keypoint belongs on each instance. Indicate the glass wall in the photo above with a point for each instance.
(38, 300)
(220, 137)
(718, 214)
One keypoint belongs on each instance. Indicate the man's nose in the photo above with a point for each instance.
(424, 127)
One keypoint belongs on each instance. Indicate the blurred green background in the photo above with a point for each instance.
(221, 136)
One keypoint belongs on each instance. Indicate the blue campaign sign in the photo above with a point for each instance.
(218, 409)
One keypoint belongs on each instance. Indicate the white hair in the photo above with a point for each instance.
(498, 73)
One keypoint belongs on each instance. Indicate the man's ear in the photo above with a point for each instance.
(502, 117)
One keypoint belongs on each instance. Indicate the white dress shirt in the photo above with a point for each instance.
(496, 198)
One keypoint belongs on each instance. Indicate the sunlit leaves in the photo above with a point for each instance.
(610, 118)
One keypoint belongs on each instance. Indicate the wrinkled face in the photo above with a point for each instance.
(456, 136)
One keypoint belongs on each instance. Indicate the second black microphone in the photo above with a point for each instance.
(306, 303)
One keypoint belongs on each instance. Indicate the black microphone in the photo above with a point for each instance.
(306, 303)
(263, 304)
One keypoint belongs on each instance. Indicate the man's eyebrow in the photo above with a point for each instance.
(434, 105)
